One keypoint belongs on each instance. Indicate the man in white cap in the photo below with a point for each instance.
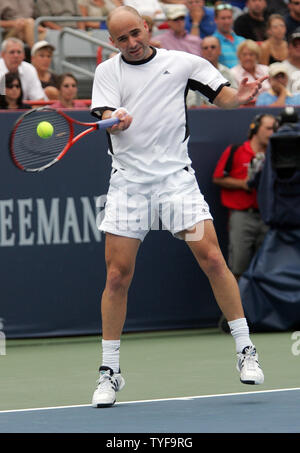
(278, 95)
(176, 37)
(41, 58)
(12, 53)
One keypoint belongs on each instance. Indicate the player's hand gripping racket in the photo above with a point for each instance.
(35, 146)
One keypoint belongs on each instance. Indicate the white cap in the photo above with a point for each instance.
(175, 11)
(277, 68)
(40, 45)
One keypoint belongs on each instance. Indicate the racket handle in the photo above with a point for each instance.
(104, 124)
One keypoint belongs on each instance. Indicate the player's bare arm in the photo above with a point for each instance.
(246, 92)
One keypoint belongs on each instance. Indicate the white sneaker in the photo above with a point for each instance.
(108, 384)
(248, 366)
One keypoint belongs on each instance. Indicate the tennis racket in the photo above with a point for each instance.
(32, 153)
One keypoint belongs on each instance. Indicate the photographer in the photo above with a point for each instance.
(235, 173)
(246, 229)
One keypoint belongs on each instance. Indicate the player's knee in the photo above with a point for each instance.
(118, 279)
(213, 263)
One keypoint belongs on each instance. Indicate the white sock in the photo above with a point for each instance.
(240, 331)
(111, 354)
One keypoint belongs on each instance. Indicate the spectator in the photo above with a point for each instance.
(292, 18)
(252, 24)
(16, 18)
(233, 171)
(12, 61)
(277, 7)
(41, 57)
(211, 51)
(236, 10)
(246, 228)
(229, 40)
(150, 22)
(200, 20)
(248, 53)
(278, 95)
(96, 8)
(275, 48)
(13, 98)
(177, 38)
(292, 62)
(58, 8)
(68, 91)
(150, 8)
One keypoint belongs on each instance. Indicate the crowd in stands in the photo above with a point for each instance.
(242, 38)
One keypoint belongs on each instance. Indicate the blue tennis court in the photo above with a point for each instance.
(275, 411)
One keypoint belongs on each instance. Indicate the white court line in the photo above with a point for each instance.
(180, 398)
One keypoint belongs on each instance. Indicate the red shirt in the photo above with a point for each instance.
(237, 198)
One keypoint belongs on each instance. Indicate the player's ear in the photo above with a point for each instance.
(112, 41)
(146, 26)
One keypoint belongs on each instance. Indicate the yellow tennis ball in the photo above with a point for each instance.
(44, 129)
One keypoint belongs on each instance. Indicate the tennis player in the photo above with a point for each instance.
(145, 88)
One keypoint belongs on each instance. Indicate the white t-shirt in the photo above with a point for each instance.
(31, 85)
(153, 91)
(294, 77)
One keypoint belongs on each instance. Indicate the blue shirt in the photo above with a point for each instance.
(267, 98)
(207, 25)
(228, 55)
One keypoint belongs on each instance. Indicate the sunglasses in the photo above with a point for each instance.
(279, 75)
(179, 18)
(223, 6)
(209, 47)
(13, 85)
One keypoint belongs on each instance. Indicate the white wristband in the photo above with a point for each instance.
(118, 110)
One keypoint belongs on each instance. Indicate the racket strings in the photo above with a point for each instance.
(32, 152)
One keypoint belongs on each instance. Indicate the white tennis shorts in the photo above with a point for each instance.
(132, 209)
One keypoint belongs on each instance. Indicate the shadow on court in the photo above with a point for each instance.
(255, 412)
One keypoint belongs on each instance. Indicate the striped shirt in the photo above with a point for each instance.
(229, 47)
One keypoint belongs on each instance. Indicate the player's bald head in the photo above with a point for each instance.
(122, 13)
(129, 33)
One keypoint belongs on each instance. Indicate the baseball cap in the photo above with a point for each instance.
(277, 68)
(294, 35)
(176, 11)
(40, 45)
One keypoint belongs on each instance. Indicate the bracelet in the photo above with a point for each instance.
(195, 25)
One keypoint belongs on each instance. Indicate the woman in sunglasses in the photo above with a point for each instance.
(67, 93)
(13, 98)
